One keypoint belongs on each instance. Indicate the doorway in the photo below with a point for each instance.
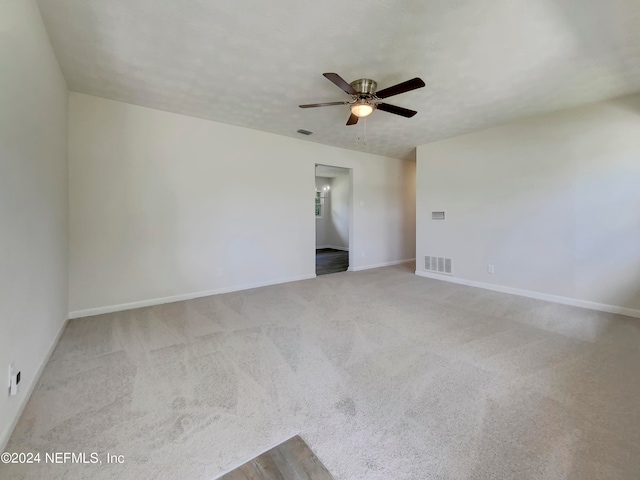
(333, 219)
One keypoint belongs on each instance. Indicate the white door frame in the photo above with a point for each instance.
(350, 173)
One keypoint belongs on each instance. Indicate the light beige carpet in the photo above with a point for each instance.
(386, 375)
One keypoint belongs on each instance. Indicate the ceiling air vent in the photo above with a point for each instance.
(438, 264)
(304, 132)
(437, 215)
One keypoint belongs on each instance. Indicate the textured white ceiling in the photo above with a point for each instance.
(250, 63)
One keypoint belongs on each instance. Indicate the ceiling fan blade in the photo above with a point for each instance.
(401, 88)
(352, 120)
(341, 82)
(404, 112)
(326, 104)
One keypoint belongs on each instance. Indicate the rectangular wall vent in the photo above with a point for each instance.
(438, 264)
(304, 132)
(437, 215)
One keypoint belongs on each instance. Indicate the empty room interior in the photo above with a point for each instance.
(463, 304)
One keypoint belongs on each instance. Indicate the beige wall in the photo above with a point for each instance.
(169, 206)
(33, 201)
(553, 202)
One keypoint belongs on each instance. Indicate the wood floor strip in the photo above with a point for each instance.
(329, 260)
(291, 460)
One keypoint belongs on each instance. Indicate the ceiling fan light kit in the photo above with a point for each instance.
(365, 99)
(362, 108)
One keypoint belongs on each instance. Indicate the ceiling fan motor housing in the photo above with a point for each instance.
(364, 86)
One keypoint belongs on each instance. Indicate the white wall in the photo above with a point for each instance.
(339, 232)
(552, 201)
(160, 201)
(33, 201)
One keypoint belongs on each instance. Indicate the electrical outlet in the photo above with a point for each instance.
(491, 269)
(362, 254)
(220, 271)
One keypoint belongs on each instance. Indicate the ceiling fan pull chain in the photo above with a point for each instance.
(365, 130)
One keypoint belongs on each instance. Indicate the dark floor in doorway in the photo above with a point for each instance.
(330, 260)
(291, 460)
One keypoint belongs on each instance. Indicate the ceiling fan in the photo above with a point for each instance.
(365, 99)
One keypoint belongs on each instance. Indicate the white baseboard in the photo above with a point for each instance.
(380, 265)
(4, 439)
(178, 298)
(345, 249)
(602, 307)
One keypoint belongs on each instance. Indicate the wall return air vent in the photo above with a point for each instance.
(438, 264)
(437, 215)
